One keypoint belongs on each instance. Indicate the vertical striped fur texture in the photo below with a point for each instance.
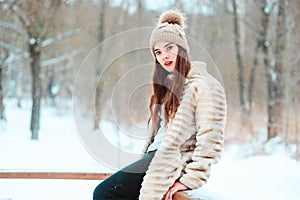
(194, 137)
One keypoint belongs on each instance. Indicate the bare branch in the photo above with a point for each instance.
(50, 15)
(62, 36)
(15, 9)
(58, 59)
(11, 27)
(16, 50)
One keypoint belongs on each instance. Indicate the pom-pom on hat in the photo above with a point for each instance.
(169, 29)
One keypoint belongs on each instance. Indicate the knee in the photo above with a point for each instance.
(99, 192)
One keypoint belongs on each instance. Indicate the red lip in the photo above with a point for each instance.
(168, 63)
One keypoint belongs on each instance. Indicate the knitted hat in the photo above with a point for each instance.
(169, 29)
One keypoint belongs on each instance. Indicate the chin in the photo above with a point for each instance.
(169, 69)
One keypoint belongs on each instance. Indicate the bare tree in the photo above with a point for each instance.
(274, 73)
(58, 62)
(3, 58)
(37, 33)
(276, 77)
(294, 79)
(101, 36)
(258, 47)
(242, 95)
(264, 23)
(7, 54)
(36, 18)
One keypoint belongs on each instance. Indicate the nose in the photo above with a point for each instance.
(165, 55)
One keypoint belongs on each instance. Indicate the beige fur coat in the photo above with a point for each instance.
(194, 137)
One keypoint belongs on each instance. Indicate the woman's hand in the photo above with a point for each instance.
(177, 186)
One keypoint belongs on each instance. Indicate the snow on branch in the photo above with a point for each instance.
(16, 50)
(58, 59)
(60, 37)
(9, 59)
(15, 9)
(11, 27)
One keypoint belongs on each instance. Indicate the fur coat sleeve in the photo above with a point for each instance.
(196, 130)
(210, 124)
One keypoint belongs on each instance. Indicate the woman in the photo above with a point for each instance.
(188, 114)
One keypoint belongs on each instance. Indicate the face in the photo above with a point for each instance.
(166, 55)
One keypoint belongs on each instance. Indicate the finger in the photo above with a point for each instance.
(171, 194)
(167, 195)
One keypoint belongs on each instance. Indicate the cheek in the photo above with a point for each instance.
(159, 59)
(174, 57)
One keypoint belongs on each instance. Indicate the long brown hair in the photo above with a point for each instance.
(167, 91)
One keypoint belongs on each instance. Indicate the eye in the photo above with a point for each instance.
(157, 53)
(169, 47)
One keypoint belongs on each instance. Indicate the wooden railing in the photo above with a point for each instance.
(54, 175)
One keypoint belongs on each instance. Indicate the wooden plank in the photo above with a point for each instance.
(54, 175)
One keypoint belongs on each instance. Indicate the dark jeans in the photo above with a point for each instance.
(126, 183)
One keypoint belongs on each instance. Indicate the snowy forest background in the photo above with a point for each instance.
(61, 60)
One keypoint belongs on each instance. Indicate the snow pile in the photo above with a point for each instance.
(58, 147)
(274, 176)
(237, 175)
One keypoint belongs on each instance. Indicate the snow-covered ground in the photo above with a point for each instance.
(274, 176)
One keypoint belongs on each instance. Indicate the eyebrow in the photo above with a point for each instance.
(164, 46)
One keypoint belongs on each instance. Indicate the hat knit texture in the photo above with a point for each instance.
(170, 29)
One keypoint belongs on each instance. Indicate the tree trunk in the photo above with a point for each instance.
(4, 55)
(18, 87)
(97, 116)
(287, 108)
(243, 98)
(2, 114)
(252, 74)
(50, 86)
(101, 37)
(297, 129)
(35, 54)
(275, 78)
(269, 71)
